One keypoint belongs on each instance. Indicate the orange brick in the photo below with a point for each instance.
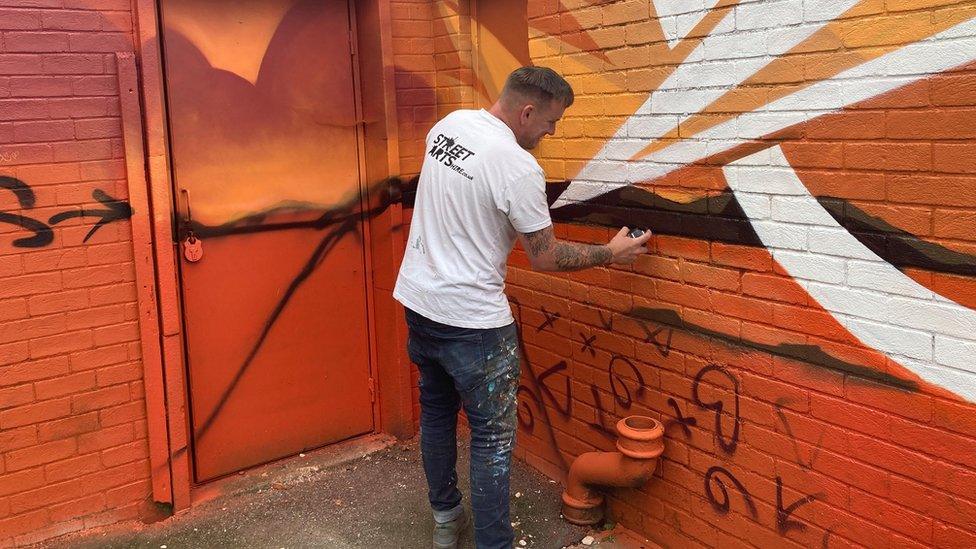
(68, 427)
(126, 453)
(67, 385)
(16, 396)
(105, 438)
(60, 344)
(39, 455)
(58, 302)
(12, 439)
(72, 468)
(34, 413)
(96, 358)
(102, 398)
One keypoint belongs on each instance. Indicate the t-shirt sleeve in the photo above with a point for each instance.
(524, 202)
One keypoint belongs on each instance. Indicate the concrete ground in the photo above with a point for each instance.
(369, 493)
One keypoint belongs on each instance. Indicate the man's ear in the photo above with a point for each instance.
(525, 112)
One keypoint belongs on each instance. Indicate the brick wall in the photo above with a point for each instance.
(803, 324)
(72, 414)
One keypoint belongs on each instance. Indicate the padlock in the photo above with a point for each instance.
(192, 248)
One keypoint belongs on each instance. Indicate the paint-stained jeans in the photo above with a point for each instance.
(477, 369)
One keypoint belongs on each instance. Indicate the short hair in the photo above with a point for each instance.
(539, 85)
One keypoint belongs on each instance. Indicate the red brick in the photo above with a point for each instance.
(97, 358)
(773, 287)
(95, 276)
(14, 352)
(72, 63)
(39, 455)
(98, 128)
(119, 333)
(73, 468)
(741, 307)
(128, 412)
(892, 516)
(74, 107)
(743, 257)
(687, 248)
(16, 396)
(105, 438)
(35, 41)
(67, 385)
(34, 413)
(39, 86)
(71, 20)
(126, 453)
(911, 405)
(83, 150)
(46, 496)
(13, 439)
(34, 370)
(34, 327)
(31, 284)
(60, 344)
(932, 124)
(712, 277)
(11, 19)
(58, 302)
(68, 427)
(20, 524)
(121, 373)
(102, 398)
(95, 317)
(77, 508)
(43, 130)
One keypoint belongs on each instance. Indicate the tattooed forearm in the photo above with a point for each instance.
(571, 257)
(539, 241)
(549, 254)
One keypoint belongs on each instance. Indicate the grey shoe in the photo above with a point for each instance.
(446, 534)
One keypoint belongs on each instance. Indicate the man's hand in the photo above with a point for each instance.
(626, 249)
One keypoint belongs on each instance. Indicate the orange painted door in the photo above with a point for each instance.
(265, 151)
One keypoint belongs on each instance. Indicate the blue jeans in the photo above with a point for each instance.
(477, 369)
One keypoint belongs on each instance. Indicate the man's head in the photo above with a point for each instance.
(531, 103)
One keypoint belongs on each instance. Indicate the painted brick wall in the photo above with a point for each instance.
(72, 414)
(804, 324)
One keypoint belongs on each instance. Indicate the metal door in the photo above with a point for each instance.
(265, 150)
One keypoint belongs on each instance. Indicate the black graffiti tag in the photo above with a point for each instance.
(728, 444)
(783, 521)
(115, 210)
(545, 390)
(723, 505)
(551, 319)
(616, 380)
(680, 419)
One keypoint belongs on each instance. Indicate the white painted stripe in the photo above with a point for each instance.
(744, 54)
(938, 53)
(889, 317)
(679, 17)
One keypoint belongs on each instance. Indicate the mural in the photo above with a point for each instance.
(805, 327)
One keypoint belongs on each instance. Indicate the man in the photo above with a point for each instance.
(479, 188)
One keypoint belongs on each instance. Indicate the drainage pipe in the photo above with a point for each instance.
(640, 442)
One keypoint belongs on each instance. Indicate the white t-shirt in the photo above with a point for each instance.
(478, 188)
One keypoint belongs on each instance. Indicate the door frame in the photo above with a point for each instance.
(163, 346)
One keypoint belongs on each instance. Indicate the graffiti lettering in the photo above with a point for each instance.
(618, 385)
(789, 432)
(116, 210)
(723, 505)
(550, 320)
(783, 521)
(567, 409)
(588, 344)
(729, 444)
(681, 420)
(607, 323)
(651, 337)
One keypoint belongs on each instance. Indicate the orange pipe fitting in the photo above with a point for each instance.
(640, 442)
